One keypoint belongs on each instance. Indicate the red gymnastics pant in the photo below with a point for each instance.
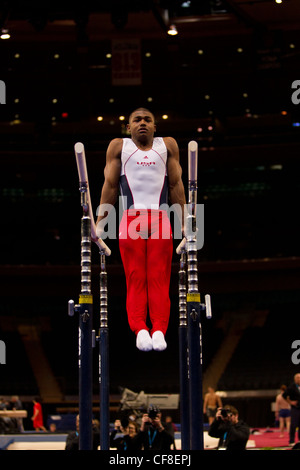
(146, 246)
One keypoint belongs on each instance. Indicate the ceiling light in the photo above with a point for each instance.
(172, 30)
(4, 34)
(165, 116)
(277, 166)
(100, 118)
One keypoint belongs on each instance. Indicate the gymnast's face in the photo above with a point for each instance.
(141, 125)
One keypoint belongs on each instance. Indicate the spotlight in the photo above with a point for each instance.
(4, 34)
(172, 30)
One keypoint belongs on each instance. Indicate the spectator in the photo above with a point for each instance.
(72, 441)
(124, 436)
(233, 433)
(283, 411)
(5, 422)
(292, 395)
(16, 404)
(169, 426)
(152, 434)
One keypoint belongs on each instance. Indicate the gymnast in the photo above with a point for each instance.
(147, 171)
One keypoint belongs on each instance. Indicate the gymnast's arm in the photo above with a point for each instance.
(176, 188)
(110, 186)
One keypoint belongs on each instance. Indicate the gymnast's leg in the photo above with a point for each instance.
(133, 254)
(159, 259)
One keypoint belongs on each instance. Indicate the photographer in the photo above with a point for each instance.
(124, 436)
(152, 434)
(233, 433)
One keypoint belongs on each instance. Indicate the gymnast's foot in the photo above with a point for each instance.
(144, 341)
(158, 341)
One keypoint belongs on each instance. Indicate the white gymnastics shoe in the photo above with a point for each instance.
(144, 341)
(158, 341)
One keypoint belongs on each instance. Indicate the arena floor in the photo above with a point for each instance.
(264, 439)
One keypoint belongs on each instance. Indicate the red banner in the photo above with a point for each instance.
(126, 62)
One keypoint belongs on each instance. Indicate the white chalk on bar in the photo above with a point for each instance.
(83, 178)
(208, 306)
(193, 160)
(81, 162)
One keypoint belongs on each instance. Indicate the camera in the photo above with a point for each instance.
(153, 412)
(225, 412)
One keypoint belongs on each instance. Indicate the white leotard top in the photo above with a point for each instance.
(143, 179)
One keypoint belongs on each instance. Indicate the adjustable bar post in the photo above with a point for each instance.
(103, 358)
(193, 439)
(183, 357)
(103, 330)
(85, 311)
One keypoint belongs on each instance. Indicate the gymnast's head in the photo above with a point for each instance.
(141, 125)
(140, 112)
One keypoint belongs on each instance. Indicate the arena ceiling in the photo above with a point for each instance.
(144, 17)
(231, 59)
